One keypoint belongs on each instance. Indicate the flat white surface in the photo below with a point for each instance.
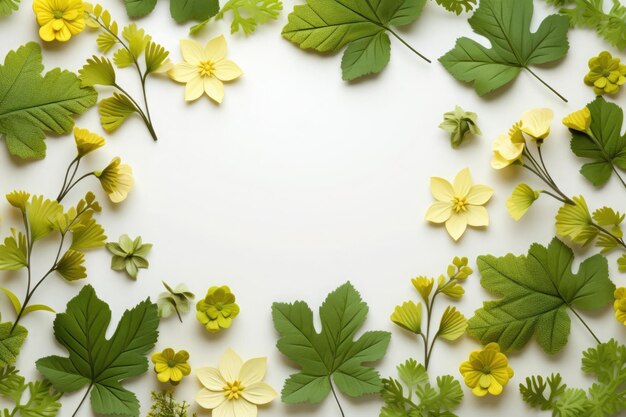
(300, 181)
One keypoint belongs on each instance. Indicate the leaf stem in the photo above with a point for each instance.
(332, 388)
(407, 45)
(83, 399)
(620, 241)
(584, 324)
(67, 176)
(546, 84)
(69, 188)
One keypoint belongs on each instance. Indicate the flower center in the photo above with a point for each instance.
(58, 14)
(606, 73)
(232, 390)
(459, 204)
(171, 363)
(206, 68)
(219, 306)
(486, 370)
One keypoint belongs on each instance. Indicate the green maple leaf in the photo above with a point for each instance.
(31, 105)
(604, 143)
(537, 290)
(333, 353)
(506, 24)
(99, 363)
(329, 25)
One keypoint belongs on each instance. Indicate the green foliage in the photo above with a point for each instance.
(457, 6)
(333, 353)
(329, 25)
(536, 292)
(11, 341)
(17, 304)
(164, 405)
(437, 400)
(459, 124)
(177, 299)
(129, 255)
(621, 263)
(247, 15)
(33, 105)
(115, 110)
(97, 362)
(139, 8)
(506, 24)
(97, 71)
(43, 400)
(603, 144)
(14, 252)
(7, 7)
(605, 398)
(181, 10)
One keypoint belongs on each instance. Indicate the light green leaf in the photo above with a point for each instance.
(621, 263)
(11, 341)
(329, 25)
(7, 7)
(14, 252)
(15, 302)
(611, 24)
(247, 14)
(457, 6)
(408, 316)
(453, 324)
(106, 41)
(122, 58)
(71, 267)
(41, 213)
(32, 105)
(453, 290)
(114, 111)
(43, 401)
(94, 360)
(155, 56)
(139, 8)
(198, 10)
(574, 221)
(97, 71)
(520, 200)
(333, 353)
(137, 39)
(37, 307)
(536, 293)
(506, 24)
(87, 233)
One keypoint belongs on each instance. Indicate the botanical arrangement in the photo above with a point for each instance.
(534, 297)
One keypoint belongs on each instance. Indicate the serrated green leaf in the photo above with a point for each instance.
(11, 341)
(122, 58)
(155, 56)
(15, 302)
(42, 402)
(137, 39)
(591, 14)
(32, 105)
(452, 325)
(71, 265)
(506, 24)
(198, 10)
(11, 383)
(87, 233)
(574, 221)
(413, 374)
(333, 353)
(41, 213)
(114, 111)
(605, 145)
(536, 292)
(457, 6)
(247, 14)
(94, 360)
(97, 71)
(7, 7)
(329, 25)
(139, 8)
(14, 252)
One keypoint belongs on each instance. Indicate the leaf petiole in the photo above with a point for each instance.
(545, 83)
(332, 388)
(408, 46)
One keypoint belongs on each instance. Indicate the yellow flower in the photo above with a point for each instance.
(606, 74)
(620, 305)
(423, 286)
(59, 19)
(520, 200)
(486, 371)
(579, 120)
(536, 123)
(87, 141)
(116, 180)
(508, 148)
(171, 366)
(458, 204)
(234, 388)
(204, 69)
(217, 310)
(18, 199)
(408, 316)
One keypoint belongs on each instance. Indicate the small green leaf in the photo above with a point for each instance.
(621, 263)
(247, 14)
(97, 71)
(37, 307)
(366, 56)
(87, 233)
(457, 6)
(41, 213)
(7, 7)
(155, 56)
(453, 324)
(71, 267)
(139, 8)
(198, 10)
(114, 111)
(106, 41)
(408, 316)
(17, 305)
(14, 252)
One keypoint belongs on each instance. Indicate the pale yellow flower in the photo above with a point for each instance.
(59, 19)
(87, 141)
(536, 123)
(459, 204)
(234, 388)
(486, 371)
(205, 68)
(116, 180)
(620, 305)
(579, 120)
(508, 148)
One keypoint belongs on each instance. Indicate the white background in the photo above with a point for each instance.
(299, 182)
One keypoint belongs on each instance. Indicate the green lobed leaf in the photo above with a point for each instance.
(332, 353)
(366, 56)
(11, 341)
(457, 6)
(536, 292)
(41, 213)
(592, 14)
(87, 233)
(97, 71)
(32, 105)
(99, 362)
(71, 265)
(247, 14)
(198, 10)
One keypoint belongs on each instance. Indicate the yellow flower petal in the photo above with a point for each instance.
(165, 375)
(211, 379)
(537, 122)
(215, 49)
(225, 409)
(259, 393)
(243, 408)
(194, 89)
(192, 51)
(579, 120)
(183, 72)
(226, 70)
(46, 32)
(439, 212)
(230, 365)
(477, 216)
(479, 194)
(441, 189)
(214, 88)
(462, 183)
(456, 225)
(210, 399)
(252, 371)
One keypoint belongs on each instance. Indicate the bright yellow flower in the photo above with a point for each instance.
(408, 316)
(486, 371)
(171, 366)
(423, 286)
(87, 141)
(520, 200)
(116, 180)
(59, 19)
(204, 69)
(235, 387)
(579, 120)
(459, 204)
(620, 305)
(536, 123)
(508, 148)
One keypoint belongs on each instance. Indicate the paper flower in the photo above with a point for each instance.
(129, 255)
(459, 124)
(424, 286)
(508, 148)
(217, 310)
(408, 316)
(459, 204)
(235, 388)
(87, 141)
(606, 74)
(620, 305)
(175, 299)
(59, 19)
(579, 120)
(116, 180)
(486, 371)
(205, 69)
(171, 366)
(536, 123)
(520, 200)
(574, 221)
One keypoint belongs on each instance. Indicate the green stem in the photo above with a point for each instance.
(83, 400)
(584, 324)
(407, 45)
(545, 83)
(145, 101)
(332, 388)
(69, 188)
(67, 175)
(620, 241)
(619, 177)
